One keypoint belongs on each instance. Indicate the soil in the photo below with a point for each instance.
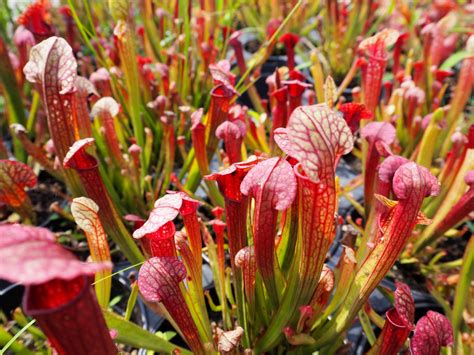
(47, 191)
(454, 248)
(411, 275)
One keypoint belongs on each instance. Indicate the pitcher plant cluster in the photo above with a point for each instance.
(170, 146)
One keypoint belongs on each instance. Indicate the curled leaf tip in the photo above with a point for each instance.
(158, 281)
(404, 304)
(77, 157)
(319, 136)
(196, 117)
(411, 178)
(280, 135)
(289, 39)
(432, 332)
(36, 18)
(389, 166)
(384, 38)
(15, 176)
(354, 112)
(157, 275)
(18, 128)
(23, 37)
(271, 179)
(228, 130)
(229, 179)
(54, 50)
(229, 341)
(379, 131)
(105, 104)
(30, 255)
(166, 210)
(469, 178)
(221, 74)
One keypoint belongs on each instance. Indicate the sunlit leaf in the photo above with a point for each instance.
(319, 136)
(84, 211)
(14, 178)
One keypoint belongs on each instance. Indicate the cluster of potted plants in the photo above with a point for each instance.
(237, 177)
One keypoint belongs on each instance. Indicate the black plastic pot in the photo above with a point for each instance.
(278, 59)
(10, 297)
(268, 68)
(346, 173)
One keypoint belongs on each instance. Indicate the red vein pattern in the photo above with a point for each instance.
(374, 132)
(30, 255)
(385, 173)
(87, 166)
(81, 117)
(404, 304)
(431, 333)
(58, 292)
(322, 293)
(106, 109)
(52, 67)
(236, 203)
(411, 183)
(318, 136)
(194, 272)
(283, 142)
(245, 259)
(218, 111)
(233, 137)
(84, 211)
(272, 184)
(398, 324)
(372, 72)
(188, 212)
(166, 209)
(14, 177)
(158, 281)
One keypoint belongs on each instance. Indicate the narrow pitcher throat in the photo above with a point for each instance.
(69, 315)
(55, 295)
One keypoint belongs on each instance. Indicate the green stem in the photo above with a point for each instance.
(462, 293)
(12, 94)
(12, 343)
(268, 43)
(132, 300)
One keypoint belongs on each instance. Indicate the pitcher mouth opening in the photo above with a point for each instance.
(35, 300)
(222, 92)
(394, 318)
